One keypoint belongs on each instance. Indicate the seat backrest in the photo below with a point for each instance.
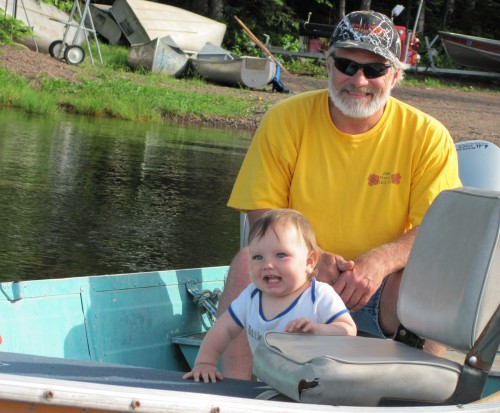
(479, 164)
(451, 284)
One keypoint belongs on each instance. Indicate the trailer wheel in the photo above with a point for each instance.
(74, 55)
(55, 49)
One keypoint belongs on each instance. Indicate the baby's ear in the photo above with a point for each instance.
(312, 260)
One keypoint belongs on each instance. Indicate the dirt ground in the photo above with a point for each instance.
(469, 114)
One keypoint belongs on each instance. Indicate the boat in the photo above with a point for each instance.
(122, 342)
(48, 23)
(142, 21)
(160, 56)
(105, 24)
(472, 51)
(218, 65)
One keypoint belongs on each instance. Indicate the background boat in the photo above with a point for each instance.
(160, 55)
(47, 22)
(472, 51)
(142, 21)
(217, 65)
(105, 24)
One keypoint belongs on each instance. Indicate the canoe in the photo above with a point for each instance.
(218, 65)
(159, 55)
(48, 23)
(142, 21)
(105, 24)
(472, 51)
(121, 343)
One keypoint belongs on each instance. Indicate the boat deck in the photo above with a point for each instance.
(120, 375)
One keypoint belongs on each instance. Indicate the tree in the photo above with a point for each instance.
(365, 5)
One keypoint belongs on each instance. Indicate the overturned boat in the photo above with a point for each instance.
(105, 24)
(161, 55)
(218, 65)
(47, 23)
(142, 21)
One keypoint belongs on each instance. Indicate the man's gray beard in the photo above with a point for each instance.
(354, 108)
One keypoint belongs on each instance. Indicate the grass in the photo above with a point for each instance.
(113, 90)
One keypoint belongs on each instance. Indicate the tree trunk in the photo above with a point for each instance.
(450, 8)
(365, 5)
(341, 10)
(421, 20)
(216, 10)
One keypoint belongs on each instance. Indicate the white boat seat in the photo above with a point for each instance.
(450, 293)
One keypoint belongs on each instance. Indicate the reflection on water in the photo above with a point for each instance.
(84, 196)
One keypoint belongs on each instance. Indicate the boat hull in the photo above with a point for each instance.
(105, 24)
(142, 21)
(245, 71)
(472, 51)
(159, 56)
(48, 24)
(39, 384)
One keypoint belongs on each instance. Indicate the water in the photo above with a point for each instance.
(95, 196)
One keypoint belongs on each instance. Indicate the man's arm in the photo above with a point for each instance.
(356, 286)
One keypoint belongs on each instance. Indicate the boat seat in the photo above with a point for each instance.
(450, 293)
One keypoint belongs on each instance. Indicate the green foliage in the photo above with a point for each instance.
(305, 67)
(64, 5)
(289, 42)
(11, 29)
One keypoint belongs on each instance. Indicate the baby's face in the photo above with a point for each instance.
(279, 262)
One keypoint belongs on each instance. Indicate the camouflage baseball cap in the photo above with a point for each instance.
(368, 30)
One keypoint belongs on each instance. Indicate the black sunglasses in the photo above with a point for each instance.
(350, 68)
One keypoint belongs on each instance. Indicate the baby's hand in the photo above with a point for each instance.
(301, 325)
(207, 372)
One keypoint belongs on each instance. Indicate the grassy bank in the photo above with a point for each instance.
(112, 90)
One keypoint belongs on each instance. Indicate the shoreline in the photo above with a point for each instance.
(468, 114)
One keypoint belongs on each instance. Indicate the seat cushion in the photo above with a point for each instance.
(353, 371)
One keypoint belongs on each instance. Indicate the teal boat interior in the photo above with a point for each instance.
(130, 319)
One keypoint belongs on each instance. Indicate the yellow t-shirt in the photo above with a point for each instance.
(358, 192)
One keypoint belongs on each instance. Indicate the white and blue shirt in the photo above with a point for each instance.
(319, 303)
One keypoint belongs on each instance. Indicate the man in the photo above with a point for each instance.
(362, 166)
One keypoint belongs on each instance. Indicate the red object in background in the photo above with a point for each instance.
(412, 56)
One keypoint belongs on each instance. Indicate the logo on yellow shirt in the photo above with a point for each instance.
(386, 178)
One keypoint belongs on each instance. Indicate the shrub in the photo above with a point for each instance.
(11, 29)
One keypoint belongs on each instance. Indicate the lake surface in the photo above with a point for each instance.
(87, 196)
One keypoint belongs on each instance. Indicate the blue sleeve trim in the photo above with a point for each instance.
(236, 320)
(336, 315)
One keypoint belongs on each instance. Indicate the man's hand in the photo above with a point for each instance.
(331, 266)
(356, 286)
